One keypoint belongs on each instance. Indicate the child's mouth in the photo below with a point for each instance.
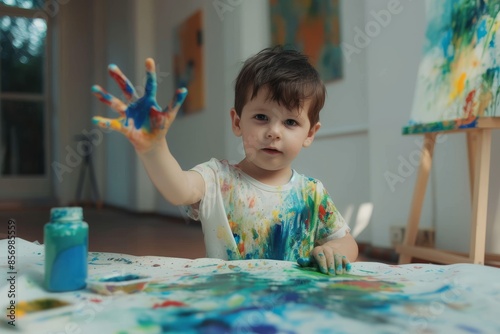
(271, 151)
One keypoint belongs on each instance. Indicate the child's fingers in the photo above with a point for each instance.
(346, 263)
(320, 258)
(339, 268)
(330, 260)
(157, 118)
(306, 262)
(175, 104)
(151, 83)
(122, 81)
(109, 99)
(110, 123)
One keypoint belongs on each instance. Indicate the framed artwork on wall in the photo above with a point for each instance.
(312, 27)
(189, 68)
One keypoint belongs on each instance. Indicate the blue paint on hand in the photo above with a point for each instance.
(180, 97)
(304, 262)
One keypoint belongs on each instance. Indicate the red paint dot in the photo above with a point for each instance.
(169, 303)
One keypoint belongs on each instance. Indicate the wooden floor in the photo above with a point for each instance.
(118, 231)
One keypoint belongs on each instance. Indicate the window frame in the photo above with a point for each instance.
(28, 183)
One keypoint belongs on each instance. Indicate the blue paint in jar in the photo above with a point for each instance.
(66, 248)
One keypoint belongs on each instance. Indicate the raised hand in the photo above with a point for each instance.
(141, 120)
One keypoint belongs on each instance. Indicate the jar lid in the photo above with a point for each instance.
(66, 214)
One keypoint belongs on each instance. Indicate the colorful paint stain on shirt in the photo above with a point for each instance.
(243, 218)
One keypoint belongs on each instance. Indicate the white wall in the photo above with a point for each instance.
(195, 138)
(392, 60)
(72, 50)
(360, 140)
(120, 156)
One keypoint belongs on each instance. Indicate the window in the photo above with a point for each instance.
(23, 89)
(23, 3)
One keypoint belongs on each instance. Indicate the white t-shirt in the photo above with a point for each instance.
(243, 218)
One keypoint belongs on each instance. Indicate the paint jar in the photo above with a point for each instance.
(66, 245)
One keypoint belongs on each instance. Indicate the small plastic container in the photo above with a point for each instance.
(66, 248)
(116, 284)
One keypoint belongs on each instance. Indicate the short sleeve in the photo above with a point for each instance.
(208, 170)
(331, 224)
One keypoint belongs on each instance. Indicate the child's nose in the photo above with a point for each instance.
(273, 132)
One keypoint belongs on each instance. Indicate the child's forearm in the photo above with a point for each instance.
(177, 186)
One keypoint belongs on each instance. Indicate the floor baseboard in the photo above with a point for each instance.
(382, 254)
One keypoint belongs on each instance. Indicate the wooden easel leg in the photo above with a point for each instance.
(471, 153)
(480, 196)
(418, 195)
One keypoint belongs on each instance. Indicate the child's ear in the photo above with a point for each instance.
(235, 122)
(310, 135)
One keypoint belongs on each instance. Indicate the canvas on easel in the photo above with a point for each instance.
(457, 91)
(458, 78)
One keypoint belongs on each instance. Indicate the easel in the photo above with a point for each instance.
(479, 150)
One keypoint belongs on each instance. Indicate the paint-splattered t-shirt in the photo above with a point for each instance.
(243, 218)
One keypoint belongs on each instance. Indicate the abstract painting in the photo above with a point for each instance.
(312, 27)
(189, 68)
(458, 78)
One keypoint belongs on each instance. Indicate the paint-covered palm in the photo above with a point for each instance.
(141, 120)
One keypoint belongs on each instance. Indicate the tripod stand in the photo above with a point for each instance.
(87, 164)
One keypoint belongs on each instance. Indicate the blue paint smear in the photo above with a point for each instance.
(69, 270)
(122, 278)
(278, 243)
(447, 46)
(180, 97)
(139, 111)
(121, 259)
(469, 329)
(439, 15)
(470, 125)
(481, 30)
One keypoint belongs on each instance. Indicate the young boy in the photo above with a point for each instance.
(259, 208)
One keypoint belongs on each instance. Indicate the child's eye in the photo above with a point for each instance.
(291, 122)
(260, 117)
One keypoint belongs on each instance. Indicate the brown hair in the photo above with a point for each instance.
(289, 76)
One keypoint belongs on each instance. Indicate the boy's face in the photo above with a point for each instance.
(272, 135)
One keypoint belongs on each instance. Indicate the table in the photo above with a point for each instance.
(263, 296)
